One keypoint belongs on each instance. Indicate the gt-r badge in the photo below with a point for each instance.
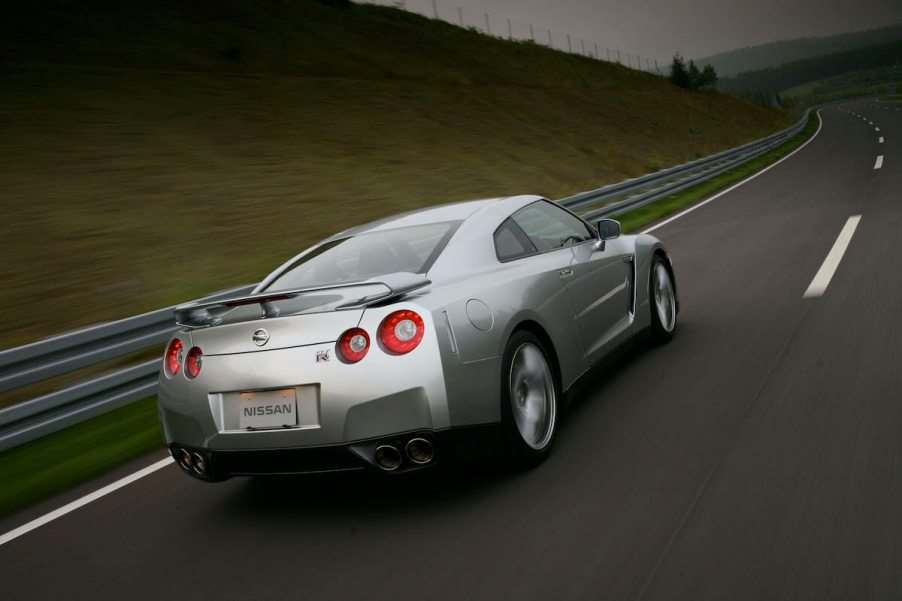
(322, 356)
(261, 337)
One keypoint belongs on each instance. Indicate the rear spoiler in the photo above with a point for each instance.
(201, 314)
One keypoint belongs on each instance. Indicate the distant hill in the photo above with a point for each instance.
(868, 82)
(774, 54)
(762, 84)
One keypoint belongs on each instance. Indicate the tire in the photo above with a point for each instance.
(661, 301)
(528, 388)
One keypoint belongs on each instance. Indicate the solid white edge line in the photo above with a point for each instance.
(822, 278)
(879, 162)
(44, 519)
(698, 205)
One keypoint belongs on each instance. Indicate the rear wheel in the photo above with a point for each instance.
(529, 399)
(662, 299)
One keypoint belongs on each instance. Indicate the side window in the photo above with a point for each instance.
(511, 243)
(550, 227)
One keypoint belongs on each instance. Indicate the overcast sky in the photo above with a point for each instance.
(658, 28)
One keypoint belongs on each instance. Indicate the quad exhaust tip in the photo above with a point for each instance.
(419, 450)
(388, 457)
(190, 461)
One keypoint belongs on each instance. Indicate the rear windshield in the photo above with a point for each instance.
(367, 256)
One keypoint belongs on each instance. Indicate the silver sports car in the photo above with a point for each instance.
(446, 333)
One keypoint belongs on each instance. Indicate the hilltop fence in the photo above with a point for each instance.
(511, 29)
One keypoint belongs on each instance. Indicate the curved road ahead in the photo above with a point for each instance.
(758, 456)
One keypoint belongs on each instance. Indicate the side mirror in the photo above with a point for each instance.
(608, 229)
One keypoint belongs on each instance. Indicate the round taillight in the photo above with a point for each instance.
(193, 362)
(353, 345)
(172, 362)
(401, 332)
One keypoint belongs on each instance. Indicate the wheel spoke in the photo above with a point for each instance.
(532, 396)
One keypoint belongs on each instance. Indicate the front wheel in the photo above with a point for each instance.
(662, 299)
(529, 399)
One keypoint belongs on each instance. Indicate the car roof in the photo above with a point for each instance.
(455, 211)
(494, 210)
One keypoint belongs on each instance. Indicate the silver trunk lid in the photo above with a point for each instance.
(241, 336)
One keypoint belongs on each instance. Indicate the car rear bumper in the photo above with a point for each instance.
(452, 445)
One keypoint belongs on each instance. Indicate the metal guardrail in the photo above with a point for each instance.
(66, 353)
(632, 194)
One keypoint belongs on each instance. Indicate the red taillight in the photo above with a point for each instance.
(173, 360)
(353, 345)
(401, 332)
(193, 362)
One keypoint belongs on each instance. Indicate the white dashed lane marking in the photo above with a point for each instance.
(823, 276)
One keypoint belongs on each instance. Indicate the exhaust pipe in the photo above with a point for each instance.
(419, 450)
(387, 457)
(198, 463)
(184, 458)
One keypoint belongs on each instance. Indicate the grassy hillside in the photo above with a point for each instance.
(151, 152)
(866, 82)
(796, 73)
(774, 54)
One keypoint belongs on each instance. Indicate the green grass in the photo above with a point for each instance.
(89, 449)
(634, 220)
(52, 464)
(146, 159)
(867, 82)
(892, 98)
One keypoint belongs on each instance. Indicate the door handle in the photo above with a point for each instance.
(566, 273)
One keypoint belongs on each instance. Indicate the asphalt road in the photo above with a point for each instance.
(757, 456)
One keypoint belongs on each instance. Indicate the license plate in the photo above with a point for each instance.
(268, 409)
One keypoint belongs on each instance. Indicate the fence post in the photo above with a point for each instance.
(488, 28)
(550, 41)
(569, 47)
(460, 15)
(582, 45)
(532, 33)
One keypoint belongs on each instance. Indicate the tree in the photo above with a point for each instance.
(707, 79)
(694, 75)
(691, 78)
(679, 76)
